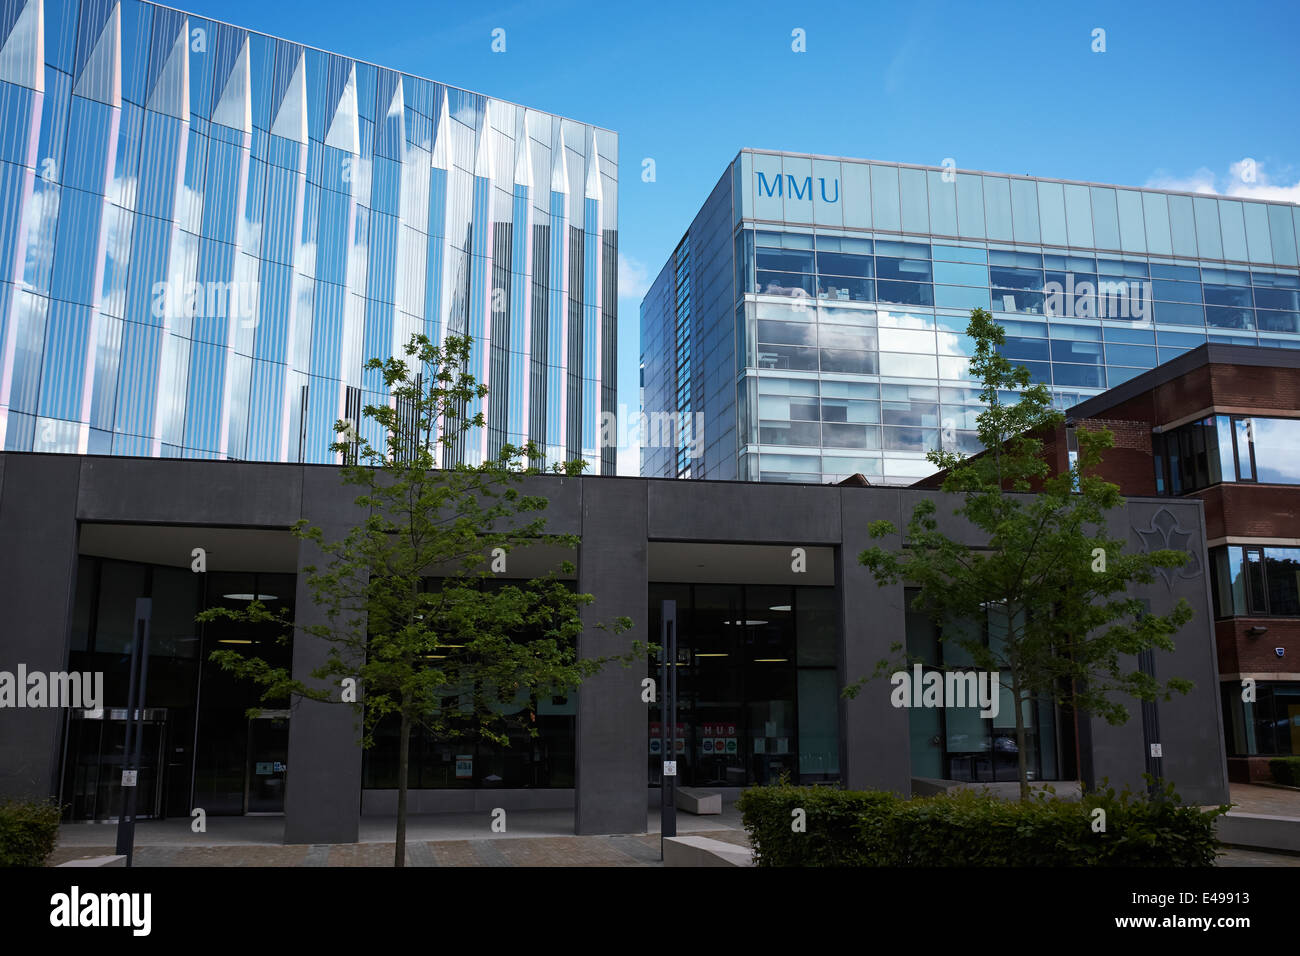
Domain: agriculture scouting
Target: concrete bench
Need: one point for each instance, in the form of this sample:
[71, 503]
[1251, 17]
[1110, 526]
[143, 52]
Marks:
[702, 851]
[699, 802]
[97, 861]
[1259, 830]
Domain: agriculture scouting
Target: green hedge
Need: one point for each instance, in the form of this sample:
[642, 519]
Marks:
[28, 832]
[968, 828]
[1285, 770]
[832, 820]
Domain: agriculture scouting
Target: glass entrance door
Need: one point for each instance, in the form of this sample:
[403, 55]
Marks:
[268, 768]
[92, 788]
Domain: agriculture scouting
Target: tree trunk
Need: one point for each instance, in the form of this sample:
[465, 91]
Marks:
[1022, 765]
[403, 767]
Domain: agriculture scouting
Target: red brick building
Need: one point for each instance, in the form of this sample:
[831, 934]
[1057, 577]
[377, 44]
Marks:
[1222, 423]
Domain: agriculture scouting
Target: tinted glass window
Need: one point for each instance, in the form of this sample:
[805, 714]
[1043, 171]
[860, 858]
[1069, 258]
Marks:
[1277, 299]
[786, 333]
[1013, 278]
[1187, 273]
[959, 253]
[842, 360]
[784, 260]
[906, 293]
[1223, 318]
[1176, 291]
[844, 264]
[911, 269]
[959, 273]
[1179, 313]
[1276, 441]
[1022, 348]
[1227, 295]
[1278, 322]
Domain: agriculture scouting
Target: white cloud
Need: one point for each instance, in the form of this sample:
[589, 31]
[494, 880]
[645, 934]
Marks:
[633, 278]
[1201, 181]
[1246, 179]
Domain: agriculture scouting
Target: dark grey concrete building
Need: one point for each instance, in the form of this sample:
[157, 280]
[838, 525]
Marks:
[769, 634]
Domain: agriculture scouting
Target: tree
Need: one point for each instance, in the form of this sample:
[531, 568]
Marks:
[1051, 584]
[419, 628]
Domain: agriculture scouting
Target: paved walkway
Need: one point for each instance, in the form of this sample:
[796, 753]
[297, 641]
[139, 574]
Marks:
[634, 850]
[532, 838]
[1276, 801]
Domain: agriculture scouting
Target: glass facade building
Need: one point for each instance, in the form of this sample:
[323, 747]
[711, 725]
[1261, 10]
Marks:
[206, 232]
[827, 302]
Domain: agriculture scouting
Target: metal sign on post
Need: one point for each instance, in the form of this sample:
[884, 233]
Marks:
[134, 727]
[668, 711]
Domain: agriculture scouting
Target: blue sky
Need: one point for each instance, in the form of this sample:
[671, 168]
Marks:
[1182, 92]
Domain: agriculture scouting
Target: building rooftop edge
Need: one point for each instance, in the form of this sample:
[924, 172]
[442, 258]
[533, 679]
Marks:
[1025, 176]
[1211, 353]
[378, 66]
[829, 486]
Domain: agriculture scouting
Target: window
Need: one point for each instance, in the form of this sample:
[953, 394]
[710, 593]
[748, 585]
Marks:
[843, 360]
[785, 283]
[957, 273]
[784, 260]
[757, 696]
[1168, 291]
[1252, 581]
[1192, 456]
[1288, 299]
[1235, 448]
[842, 264]
[845, 289]
[540, 729]
[1009, 278]
[1274, 449]
[917, 270]
[1015, 300]
[956, 743]
[1267, 726]
[789, 433]
[785, 333]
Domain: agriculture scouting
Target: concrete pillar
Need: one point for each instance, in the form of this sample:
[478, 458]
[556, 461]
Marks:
[323, 795]
[613, 753]
[38, 580]
[874, 741]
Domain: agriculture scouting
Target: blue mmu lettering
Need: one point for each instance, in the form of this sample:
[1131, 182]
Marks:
[773, 189]
[794, 188]
[795, 191]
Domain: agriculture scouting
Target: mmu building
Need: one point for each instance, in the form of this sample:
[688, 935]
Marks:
[775, 616]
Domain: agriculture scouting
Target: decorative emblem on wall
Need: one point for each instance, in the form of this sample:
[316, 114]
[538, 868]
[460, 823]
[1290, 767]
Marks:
[1165, 532]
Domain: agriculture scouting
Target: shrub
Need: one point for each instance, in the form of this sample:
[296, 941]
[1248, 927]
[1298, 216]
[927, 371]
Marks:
[831, 817]
[1285, 770]
[969, 828]
[28, 832]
